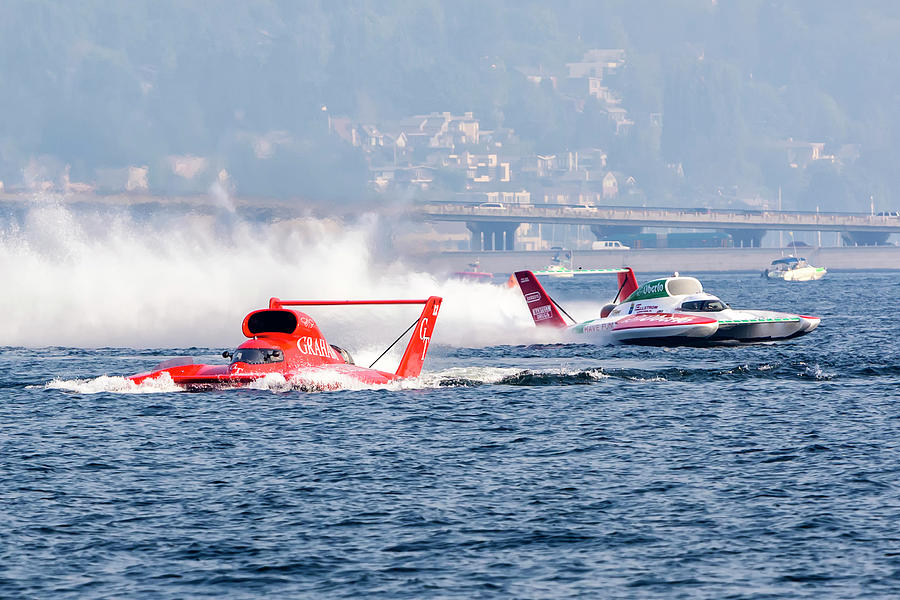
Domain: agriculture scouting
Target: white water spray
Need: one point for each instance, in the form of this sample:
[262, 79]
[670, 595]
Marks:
[105, 277]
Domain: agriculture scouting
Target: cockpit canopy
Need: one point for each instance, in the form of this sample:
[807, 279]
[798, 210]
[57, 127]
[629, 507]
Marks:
[257, 356]
[712, 305]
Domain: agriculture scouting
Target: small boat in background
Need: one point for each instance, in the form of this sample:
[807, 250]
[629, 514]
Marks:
[558, 268]
[473, 274]
[792, 268]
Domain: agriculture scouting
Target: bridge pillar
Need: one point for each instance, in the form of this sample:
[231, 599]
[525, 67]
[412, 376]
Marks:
[746, 238]
[493, 236]
[611, 232]
[864, 238]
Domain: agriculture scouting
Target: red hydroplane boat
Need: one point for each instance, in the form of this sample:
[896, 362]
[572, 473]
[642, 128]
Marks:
[289, 343]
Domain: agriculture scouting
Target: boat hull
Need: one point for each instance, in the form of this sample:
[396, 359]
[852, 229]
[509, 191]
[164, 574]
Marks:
[675, 329]
[199, 377]
[801, 274]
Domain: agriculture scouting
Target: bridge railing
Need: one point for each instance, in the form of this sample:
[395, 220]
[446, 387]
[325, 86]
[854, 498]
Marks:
[674, 215]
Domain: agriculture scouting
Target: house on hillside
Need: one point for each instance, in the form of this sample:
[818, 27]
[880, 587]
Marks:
[485, 168]
[619, 116]
[592, 160]
[801, 154]
[368, 136]
[614, 184]
[418, 176]
[545, 164]
[464, 130]
[585, 164]
[586, 80]
[537, 76]
[597, 63]
[584, 87]
[437, 130]
[610, 187]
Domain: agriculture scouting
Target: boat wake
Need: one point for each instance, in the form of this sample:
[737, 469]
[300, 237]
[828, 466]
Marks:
[457, 377]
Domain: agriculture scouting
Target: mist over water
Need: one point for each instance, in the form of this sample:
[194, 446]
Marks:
[90, 277]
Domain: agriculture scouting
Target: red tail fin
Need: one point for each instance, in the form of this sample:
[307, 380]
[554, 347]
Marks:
[627, 285]
[543, 311]
[414, 357]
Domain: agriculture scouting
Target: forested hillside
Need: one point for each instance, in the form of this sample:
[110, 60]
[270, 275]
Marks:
[716, 87]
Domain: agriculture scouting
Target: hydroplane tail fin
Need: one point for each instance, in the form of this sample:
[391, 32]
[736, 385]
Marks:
[627, 285]
[414, 357]
[543, 310]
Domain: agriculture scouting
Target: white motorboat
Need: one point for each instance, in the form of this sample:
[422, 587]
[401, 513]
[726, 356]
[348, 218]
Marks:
[792, 268]
[557, 268]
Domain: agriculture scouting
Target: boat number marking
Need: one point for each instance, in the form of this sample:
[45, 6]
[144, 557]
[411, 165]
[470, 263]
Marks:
[423, 326]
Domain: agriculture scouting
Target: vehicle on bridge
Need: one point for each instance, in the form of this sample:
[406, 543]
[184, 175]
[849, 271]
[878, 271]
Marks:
[609, 245]
[670, 311]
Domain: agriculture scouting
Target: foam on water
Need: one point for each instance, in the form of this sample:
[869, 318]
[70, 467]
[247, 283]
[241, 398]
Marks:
[326, 381]
[322, 381]
[117, 385]
[91, 277]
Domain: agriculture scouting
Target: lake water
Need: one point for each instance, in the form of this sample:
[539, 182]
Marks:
[526, 470]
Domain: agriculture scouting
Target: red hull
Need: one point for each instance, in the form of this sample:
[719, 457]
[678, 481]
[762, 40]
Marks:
[219, 376]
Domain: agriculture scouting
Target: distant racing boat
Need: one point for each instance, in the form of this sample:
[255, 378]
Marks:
[669, 311]
[473, 274]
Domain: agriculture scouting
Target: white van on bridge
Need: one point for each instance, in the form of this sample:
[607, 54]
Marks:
[609, 245]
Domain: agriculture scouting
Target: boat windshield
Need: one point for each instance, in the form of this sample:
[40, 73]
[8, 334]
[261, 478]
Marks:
[704, 306]
[257, 356]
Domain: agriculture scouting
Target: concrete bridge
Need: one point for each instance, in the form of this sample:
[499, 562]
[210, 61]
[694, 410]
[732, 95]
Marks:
[498, 222]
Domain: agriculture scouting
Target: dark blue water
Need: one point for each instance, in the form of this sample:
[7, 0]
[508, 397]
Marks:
[557, 471]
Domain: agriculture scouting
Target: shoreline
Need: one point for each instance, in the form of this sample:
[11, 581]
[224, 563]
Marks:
[686, 260]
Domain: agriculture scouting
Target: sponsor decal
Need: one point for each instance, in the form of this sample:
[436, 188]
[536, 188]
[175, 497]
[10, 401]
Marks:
[306, 321]
[597, 327]
[541, 313]
[664, 319]
[315, 347]
[524, 280]
[631, 309]
[533, 297]
[651, 289]
[645, 308]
